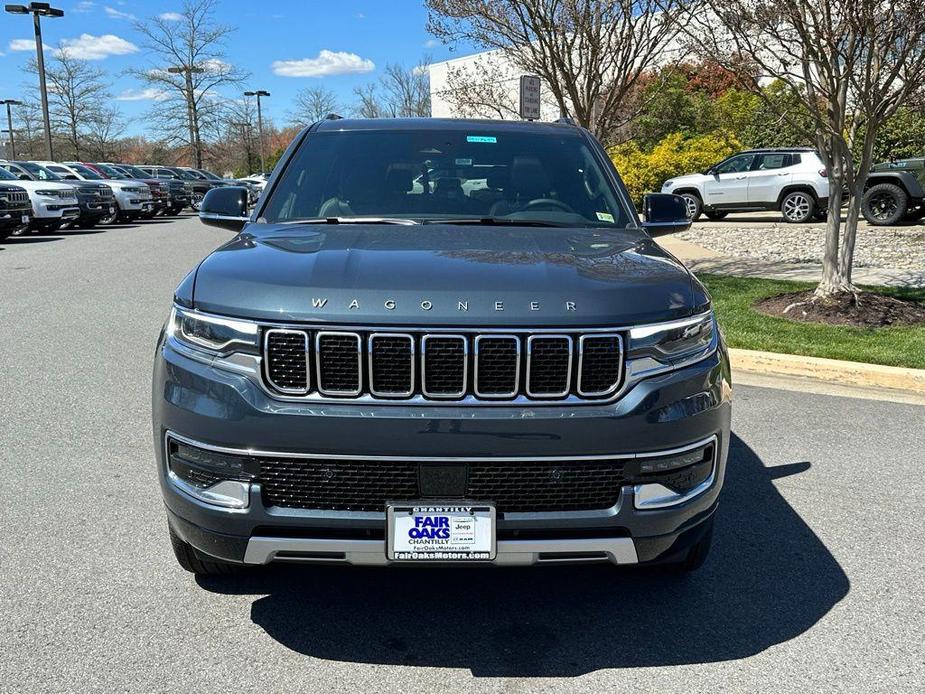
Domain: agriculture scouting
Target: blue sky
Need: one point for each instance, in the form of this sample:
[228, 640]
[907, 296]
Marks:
[281, 43]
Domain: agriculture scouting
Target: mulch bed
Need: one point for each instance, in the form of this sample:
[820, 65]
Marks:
[862, 310]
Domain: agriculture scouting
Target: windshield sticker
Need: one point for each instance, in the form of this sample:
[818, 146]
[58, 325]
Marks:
[604, 217]
[488, 139]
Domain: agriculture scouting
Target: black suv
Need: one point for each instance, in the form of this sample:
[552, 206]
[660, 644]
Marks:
[196, 186]
[441, 341]
[15, 209]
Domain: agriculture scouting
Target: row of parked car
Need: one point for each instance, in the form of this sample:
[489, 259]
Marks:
[793, 181]
[44, 196]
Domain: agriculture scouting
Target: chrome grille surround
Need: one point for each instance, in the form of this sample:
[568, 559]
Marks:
[448, 366]
[267, 362]
[581, 362]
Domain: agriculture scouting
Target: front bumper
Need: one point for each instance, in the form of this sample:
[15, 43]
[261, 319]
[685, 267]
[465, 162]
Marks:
[134, 202]
[52, 209]
[218, 408]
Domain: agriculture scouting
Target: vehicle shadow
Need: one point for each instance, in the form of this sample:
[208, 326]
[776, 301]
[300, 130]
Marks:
[768, 579]
[23, 240]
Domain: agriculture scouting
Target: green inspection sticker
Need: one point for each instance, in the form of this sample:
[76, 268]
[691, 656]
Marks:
[605, 217]
[489, 139]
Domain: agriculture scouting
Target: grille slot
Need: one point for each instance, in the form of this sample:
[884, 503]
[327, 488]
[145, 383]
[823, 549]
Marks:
[340, 360]
[600, 364]
[497, 366]
[444, 363]
[549, 365]
[287, 360]
[359, 485]
[391, 364]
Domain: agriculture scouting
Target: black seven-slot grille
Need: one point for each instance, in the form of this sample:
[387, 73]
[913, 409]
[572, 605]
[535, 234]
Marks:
[358, 485]
[443, 366]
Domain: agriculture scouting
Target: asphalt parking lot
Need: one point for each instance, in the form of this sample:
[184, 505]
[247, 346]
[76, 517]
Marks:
[816, 581]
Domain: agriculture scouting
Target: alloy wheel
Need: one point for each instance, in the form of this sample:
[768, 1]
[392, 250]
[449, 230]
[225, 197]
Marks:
[797, 206]
[883, 206]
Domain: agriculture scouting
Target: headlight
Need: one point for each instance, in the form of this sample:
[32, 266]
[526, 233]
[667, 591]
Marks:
[48, 193]
[213, 334]
[667, 184]
[676, 343]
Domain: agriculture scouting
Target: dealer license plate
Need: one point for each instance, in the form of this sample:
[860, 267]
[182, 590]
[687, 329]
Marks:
[422, 532]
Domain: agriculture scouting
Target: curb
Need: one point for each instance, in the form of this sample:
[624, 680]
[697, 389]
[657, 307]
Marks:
[829, 370]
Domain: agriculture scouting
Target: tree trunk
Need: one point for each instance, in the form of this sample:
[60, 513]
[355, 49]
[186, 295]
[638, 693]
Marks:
[830, 282]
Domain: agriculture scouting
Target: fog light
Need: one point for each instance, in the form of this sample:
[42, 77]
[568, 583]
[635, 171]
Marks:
[672, 480]
[214, 478]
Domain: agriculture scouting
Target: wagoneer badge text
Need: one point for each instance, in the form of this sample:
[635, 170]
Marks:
[427, 305]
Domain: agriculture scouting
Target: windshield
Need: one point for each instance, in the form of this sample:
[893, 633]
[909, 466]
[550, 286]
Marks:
[39, 172]
[7, 176]
[134, 171]
[111, 172]
[185, 175]
[86, 172]
[208, 175]
[431, 175]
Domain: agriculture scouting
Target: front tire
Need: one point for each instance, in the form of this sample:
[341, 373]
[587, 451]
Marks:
[694, 206]
[884, 204]
[196, 201]
[798, 207]
[109, 218]
[198, 563]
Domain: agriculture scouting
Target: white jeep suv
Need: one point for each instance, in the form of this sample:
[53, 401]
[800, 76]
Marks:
[790, 180]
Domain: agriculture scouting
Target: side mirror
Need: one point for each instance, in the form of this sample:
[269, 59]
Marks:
[225, 208]
[25, 177]
[664, 213]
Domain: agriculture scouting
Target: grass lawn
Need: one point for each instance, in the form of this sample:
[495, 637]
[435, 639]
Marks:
[744, 327]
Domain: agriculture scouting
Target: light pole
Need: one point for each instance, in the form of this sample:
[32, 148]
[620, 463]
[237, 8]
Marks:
[40, 9]
[187, 72]
[9, 123]
[258, 94]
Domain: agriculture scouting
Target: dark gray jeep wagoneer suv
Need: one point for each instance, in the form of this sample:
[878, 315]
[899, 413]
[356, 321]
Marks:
[440, 341]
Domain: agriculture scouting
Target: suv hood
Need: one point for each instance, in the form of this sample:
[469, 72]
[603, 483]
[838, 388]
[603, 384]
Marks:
[443, 275]
[33, 186]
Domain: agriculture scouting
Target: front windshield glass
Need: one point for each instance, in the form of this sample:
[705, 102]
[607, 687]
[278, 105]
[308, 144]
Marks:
[209, 175]
[134, 171]
[39, 172]
[111, 172]
[185, 175]
[7, 176]
[87, 173]
[431, 175]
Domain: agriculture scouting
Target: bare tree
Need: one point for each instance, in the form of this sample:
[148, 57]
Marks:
[850, 63]
[368, 105]
[312, 104]
[103, 132]
[407, 90]
[480, 89]
[589, 53]
[188, 69]
[76, 93]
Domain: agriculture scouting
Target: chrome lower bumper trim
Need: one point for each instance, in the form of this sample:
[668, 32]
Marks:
[263, 550]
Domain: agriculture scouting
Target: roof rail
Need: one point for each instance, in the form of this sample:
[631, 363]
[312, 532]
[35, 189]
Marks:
[333, 116]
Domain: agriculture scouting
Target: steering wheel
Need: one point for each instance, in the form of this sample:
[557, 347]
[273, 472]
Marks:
[546, 204]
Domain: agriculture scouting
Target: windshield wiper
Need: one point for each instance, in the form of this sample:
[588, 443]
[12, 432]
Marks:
[497, 221]
[352, 220]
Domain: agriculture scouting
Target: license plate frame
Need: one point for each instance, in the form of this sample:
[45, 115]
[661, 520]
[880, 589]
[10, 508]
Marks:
[456, 548]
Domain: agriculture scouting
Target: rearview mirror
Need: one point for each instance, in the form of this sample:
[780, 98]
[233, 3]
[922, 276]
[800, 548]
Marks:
[664, 213]
[225, 208]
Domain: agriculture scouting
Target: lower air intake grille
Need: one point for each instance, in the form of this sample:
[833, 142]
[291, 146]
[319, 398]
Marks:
[348, 485]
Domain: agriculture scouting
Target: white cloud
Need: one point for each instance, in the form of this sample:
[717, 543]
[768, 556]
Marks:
[118, 14]
[83, 6]
[25, 45]
[326, 63]
[431, 43]
[89, 47]
[149, 94]
[171, 16]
